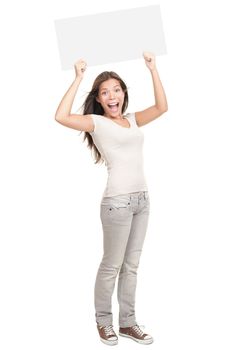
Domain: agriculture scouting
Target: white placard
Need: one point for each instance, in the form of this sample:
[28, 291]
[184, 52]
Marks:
[110, 36]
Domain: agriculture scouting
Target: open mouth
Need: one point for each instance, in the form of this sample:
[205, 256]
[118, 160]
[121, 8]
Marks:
[113, 106]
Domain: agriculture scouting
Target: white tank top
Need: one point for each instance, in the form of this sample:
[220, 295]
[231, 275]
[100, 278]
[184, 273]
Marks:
[122, 149]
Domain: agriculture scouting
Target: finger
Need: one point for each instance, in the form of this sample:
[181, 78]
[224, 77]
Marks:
[147, 57]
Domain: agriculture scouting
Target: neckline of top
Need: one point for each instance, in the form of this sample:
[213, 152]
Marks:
[121, 126]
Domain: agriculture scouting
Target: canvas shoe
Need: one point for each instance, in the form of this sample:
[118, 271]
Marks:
[136, 334]
[107, 335]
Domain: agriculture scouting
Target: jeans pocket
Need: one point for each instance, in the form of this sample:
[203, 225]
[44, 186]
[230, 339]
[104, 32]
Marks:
[117, 201]
[115, 207]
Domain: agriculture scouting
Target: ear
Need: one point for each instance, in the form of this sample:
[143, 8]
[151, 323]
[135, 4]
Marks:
[97, 99]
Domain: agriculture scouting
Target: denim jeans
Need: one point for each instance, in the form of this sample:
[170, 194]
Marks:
[124, 221]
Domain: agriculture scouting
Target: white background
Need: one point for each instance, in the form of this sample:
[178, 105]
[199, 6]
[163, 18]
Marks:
[51, 237]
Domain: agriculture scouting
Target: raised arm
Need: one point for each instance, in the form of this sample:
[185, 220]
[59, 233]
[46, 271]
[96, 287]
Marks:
[160, 106]
[63, 114]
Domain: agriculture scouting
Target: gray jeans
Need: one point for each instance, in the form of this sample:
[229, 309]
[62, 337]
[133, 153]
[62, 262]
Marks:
[124, 220]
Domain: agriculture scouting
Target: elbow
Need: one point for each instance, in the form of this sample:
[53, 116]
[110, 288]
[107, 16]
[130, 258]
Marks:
[163, 109]
[58, 117]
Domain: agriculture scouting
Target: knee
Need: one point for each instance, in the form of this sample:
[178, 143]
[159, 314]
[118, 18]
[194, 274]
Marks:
[109, 269]
[129, 267]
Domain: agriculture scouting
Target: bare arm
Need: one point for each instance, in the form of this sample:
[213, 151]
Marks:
[160, 106]
[160, 97]
[63, 114]
[64, 108]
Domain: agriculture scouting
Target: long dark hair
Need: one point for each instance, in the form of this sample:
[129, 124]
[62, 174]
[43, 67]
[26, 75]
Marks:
[91, 106]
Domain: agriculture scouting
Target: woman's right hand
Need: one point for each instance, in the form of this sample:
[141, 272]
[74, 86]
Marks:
[80, 67]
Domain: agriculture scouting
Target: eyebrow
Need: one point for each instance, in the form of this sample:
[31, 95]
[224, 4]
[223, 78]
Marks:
[106, 88]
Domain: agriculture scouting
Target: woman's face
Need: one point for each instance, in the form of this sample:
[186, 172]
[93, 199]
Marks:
[111, 97]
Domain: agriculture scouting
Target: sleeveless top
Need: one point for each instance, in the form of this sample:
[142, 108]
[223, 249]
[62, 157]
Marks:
[122, 149]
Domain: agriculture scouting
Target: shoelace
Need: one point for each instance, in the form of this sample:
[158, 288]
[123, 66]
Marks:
[137, 329]
[108, 330]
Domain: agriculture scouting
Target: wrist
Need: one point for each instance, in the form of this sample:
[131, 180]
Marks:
[78, 78]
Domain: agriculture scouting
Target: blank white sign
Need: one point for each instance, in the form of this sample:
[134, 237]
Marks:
[110, 36]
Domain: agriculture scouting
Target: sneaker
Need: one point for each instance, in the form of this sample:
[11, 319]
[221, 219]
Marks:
[107, 335]
[136, 334]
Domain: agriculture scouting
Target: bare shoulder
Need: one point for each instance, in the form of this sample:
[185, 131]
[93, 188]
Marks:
[78, 122]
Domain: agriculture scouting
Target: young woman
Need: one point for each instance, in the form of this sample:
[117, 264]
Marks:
[115, 138]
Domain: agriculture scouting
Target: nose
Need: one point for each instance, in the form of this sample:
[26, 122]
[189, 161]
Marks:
[112, 93]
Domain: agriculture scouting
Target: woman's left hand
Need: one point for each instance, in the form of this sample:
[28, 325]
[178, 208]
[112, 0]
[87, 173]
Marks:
[149, 60]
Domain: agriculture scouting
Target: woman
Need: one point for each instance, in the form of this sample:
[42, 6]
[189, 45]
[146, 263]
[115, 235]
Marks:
[115, 138]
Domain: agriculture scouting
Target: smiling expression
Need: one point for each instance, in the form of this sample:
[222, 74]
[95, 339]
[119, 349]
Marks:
[111, 97]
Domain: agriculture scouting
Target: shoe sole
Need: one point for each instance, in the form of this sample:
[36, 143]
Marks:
[146, 341]
[107, 342]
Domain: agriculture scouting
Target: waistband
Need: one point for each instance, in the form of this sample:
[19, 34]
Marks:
[131, 195]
